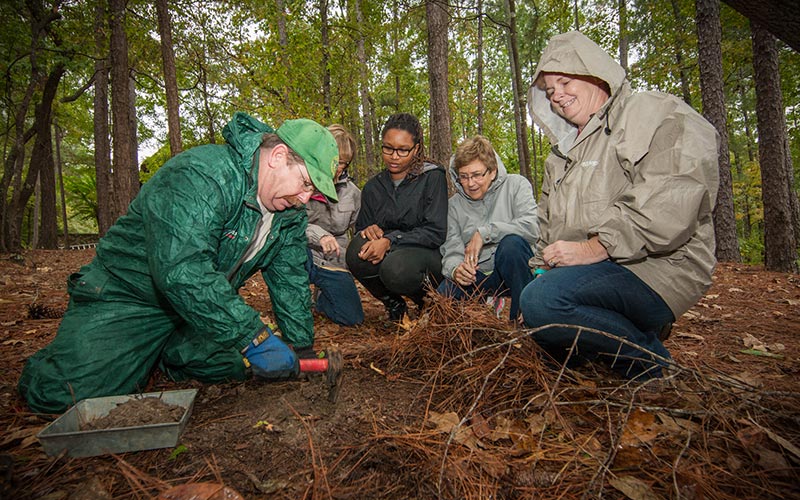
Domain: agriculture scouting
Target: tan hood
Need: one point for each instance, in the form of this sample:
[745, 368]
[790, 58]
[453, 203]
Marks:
[574, 54]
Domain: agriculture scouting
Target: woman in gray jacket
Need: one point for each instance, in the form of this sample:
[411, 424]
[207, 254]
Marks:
[491, 228]
[626, 223]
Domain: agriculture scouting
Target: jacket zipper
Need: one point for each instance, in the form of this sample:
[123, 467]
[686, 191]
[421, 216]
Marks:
[567, 164]
[229, 276]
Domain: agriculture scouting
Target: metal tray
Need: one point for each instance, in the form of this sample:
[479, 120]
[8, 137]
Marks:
[64, 433]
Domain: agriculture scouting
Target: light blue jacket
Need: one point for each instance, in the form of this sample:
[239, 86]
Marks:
[508, 207]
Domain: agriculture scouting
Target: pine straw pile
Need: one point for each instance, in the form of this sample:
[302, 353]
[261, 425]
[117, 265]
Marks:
[499, 422]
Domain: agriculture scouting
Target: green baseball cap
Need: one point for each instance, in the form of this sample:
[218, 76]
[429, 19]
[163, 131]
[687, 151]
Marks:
[316, 145]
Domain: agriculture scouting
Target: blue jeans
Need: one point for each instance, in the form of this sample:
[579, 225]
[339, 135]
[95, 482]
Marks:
[338, 297]
[510, 276]
[604, 296]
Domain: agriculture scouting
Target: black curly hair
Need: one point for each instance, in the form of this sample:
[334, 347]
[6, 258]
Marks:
[410, 124]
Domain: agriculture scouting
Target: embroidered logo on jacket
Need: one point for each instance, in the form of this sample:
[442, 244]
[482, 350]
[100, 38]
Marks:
[230, 234]
[590, 163]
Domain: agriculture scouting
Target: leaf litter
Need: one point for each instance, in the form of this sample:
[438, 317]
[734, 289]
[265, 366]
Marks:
[458, 404]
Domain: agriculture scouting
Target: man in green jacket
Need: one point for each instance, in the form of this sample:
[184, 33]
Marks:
[162, 289]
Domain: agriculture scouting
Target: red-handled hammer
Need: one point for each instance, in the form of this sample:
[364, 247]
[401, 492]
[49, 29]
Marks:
[332, 366]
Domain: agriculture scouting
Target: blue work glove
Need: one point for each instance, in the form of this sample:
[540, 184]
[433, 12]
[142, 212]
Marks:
[270, 358]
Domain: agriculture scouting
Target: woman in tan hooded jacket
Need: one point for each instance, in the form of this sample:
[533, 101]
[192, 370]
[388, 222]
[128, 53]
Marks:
[627, 237]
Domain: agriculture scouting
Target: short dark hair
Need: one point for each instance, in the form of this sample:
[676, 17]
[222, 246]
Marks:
[269, 141]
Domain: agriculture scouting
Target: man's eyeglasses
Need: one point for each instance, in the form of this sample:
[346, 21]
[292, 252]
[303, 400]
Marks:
[308, 186]
[464, 178]
[401, 152]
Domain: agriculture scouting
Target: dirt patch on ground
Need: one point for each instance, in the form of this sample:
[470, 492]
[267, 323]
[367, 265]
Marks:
[459, 405]
[137, 412]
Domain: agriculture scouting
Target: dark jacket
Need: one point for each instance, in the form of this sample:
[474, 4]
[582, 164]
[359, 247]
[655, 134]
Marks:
[414, 213]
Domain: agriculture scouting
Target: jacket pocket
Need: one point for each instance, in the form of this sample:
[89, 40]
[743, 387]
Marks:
[87, 284]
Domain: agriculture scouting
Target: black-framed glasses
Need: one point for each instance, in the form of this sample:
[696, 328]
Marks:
[401, 152]
[308, 186]
[464, 178]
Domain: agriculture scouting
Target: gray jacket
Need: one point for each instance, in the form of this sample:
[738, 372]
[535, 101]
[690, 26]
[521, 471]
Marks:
[508, 207]
[642, 176]
[333, 219]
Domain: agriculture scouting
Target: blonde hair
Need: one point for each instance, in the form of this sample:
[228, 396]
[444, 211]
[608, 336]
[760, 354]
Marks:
[344, 141]
[478, 148]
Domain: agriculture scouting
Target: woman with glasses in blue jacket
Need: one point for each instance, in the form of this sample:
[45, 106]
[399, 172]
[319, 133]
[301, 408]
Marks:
[402, 222]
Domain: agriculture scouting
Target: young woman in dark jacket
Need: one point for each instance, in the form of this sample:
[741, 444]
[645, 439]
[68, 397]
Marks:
[402, 222]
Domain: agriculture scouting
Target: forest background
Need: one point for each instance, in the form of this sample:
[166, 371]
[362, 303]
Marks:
[77, 144]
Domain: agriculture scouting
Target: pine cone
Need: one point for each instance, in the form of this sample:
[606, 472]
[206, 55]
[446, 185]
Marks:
[39, 311]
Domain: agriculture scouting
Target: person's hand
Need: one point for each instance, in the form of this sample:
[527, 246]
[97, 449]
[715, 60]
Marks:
[372, 233]
[472, 252]
[375, 251]
[329, 245]
[270, 358]
[464, 274]
[574, 253]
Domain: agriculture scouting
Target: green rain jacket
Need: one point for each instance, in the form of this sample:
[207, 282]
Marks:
[163, 286]
[181, 243]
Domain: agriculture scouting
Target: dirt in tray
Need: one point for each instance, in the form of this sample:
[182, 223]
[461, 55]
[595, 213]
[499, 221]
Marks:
[137, 412]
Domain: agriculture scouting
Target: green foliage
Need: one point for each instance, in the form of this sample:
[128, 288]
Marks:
[752, 248]
[230, 56]
[179, 450]
[82, 194]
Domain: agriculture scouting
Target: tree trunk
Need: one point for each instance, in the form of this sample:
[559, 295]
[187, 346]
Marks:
[170, 77]
[794, 204]
[396, 49]
[106, 209]
[12, 172]
[577, 18]
[283, 43]
[367, 116]
[750, 156]
[479, 68]
[780, 249]
[48, 227]
[134, 133]
[683, 70]
[438, 20]
[10, 220]
[709, 40]
[208, 111]
[37, 210]
[41, 162]
[521, 124]
[126, 183]
[60, 173]
[623, 34]
[326, 70]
